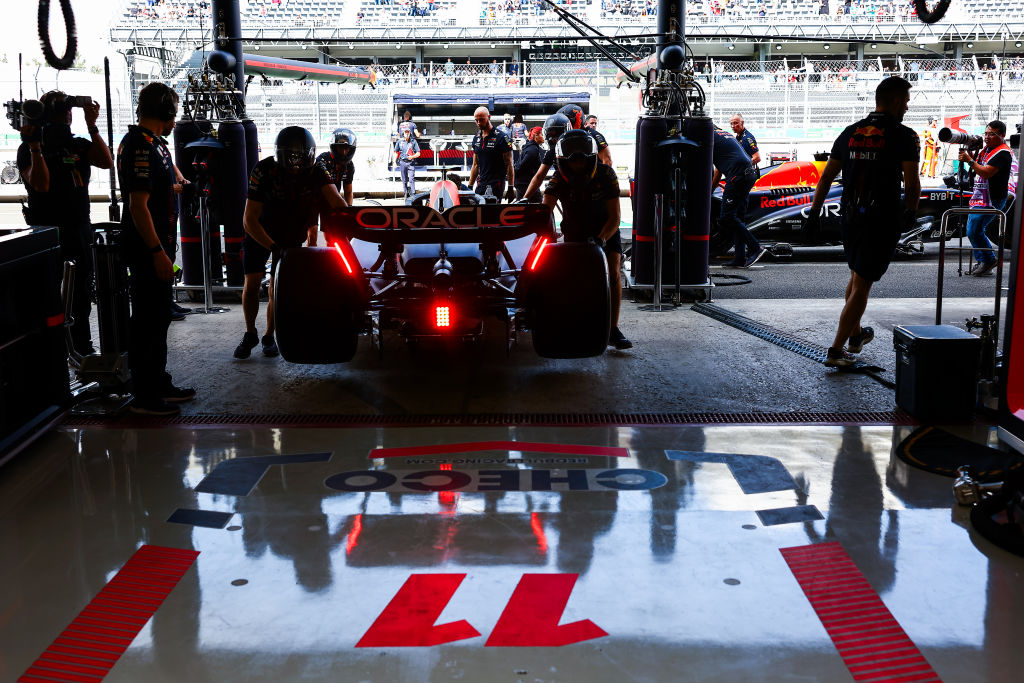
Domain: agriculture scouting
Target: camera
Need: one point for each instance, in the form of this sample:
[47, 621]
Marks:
[1015, 139]
[26, 113]
[950, 181]
[58, 108]
[956, 137]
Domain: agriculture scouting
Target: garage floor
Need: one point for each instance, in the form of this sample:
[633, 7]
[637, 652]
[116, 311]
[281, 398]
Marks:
[248, 541]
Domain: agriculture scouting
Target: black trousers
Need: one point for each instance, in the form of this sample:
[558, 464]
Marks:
[147, 330]
[76, 245]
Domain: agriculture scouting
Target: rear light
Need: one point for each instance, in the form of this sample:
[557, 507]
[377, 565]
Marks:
[540, 250]
[442, 316]
[344, 260]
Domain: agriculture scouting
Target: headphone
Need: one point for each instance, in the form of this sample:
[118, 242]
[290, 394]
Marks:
[166, 108]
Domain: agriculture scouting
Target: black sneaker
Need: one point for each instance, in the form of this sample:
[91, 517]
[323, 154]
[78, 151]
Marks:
[175, 394]
[176, 316]
[855, 343]
[269, 345]
[754, 258]
[248, 343]
[175, 308]
[837, 358]
[618, 340]
[153, 406]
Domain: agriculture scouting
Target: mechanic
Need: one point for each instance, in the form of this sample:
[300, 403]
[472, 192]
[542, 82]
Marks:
[457, 179]
[554, 127]
[992, 174]
[338, 162]
[604, 154]
[529, 161]
[148, 227]
[280, 213]
[518, 135]
[492, 159]
[56, 166]
[746, 139]
[407, 150]
[406, 124]
[730, 160]
[931, 149]
[874, 155]
[589, 193]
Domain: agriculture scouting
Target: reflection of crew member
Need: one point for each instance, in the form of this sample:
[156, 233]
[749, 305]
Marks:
[991, 182]
[492, 159]
[407, 150]
[589, 193]
[873, 154]
[604, 154]
[280, 213]
[406, 124]
[147, 226]
[529, 161]
[554, 127]
[338, 162]
[931, 149]
[56, 168]
[746, 139]
[733, 163]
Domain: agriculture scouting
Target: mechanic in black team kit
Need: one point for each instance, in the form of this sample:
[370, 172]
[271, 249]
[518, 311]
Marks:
[280, 213]
[876, 155]
[589, 193]
[147, 227]
[733, 163]
[604, 154]
[338, 162]
[492, 159]
[529, 161]
[554, 127]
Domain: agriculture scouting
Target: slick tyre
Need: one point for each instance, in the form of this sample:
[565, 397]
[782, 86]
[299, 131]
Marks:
[567, 301]
[318, 306]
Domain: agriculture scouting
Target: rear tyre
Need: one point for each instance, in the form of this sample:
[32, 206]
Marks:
[318, 307]
[567, 301]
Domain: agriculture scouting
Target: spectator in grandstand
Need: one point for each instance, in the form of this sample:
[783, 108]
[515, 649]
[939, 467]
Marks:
[604, 154]
[492, 159]
[338, 162]
[732, 163]
[530, 159]
[873, 155]
[495, 70]
[407, 151]
[589, 194]
[406, 124]
[746, 139]
[449, 72]
[285, 194]
[991, 167]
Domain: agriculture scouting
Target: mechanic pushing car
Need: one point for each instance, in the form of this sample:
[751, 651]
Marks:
[554, 127]
[338, 162]
[280, 213]
[492, 159]
[589, 193]
[740, 175]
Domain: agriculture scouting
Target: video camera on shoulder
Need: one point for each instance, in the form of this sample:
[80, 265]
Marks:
[24, 113]
[956, 137]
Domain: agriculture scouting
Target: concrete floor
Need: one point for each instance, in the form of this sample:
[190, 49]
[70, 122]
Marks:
[665, 563]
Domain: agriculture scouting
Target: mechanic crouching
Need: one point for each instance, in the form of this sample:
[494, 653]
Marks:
[280, 213]
[589, 194]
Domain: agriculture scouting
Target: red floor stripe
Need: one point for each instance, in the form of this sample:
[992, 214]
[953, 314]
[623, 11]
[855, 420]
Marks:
[104, 629]
[521, 446]
[829, 580]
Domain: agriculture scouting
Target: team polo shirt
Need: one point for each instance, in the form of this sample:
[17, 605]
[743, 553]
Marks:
[327, 159]
[872, 152]
[144, 164]
[489, 152]
[748, 142]
[290, 202]
[407, 126]
[598, 138]
[727, 155]
[584, 210]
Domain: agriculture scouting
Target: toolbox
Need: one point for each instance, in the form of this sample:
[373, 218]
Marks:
[936, 371]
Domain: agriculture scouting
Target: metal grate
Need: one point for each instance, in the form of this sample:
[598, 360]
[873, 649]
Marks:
[894, 417]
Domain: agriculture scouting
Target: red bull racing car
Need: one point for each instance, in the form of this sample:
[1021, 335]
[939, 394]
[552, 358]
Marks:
[439, 271]
[780, 199]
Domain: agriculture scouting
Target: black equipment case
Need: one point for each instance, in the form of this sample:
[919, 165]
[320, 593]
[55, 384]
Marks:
[936, 371]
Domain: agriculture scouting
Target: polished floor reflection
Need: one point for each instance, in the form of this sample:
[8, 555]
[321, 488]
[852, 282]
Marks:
[493, 554]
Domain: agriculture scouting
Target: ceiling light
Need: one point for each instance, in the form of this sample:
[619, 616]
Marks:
[778, 47]
[446, 46]
[351, 46]
[874, 46]
[731, 46]
[970, 45]
[256, 47]
[826, 46]
[1017, 44]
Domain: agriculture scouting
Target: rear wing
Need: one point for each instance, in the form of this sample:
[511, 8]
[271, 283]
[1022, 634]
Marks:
[391, 226]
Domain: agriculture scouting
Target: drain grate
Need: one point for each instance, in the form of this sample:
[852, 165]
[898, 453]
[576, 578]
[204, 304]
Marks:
[802, 347]
[895, 417]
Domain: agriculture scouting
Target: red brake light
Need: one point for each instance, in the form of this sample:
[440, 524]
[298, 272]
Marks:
[442, 316]
[344, 260]
[540, 250]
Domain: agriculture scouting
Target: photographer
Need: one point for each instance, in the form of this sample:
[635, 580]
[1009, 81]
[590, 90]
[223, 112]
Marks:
[56, 166]
[991, 167]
